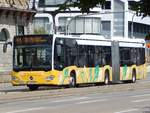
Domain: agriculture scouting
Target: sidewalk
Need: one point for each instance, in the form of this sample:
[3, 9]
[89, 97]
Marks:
[5, 77]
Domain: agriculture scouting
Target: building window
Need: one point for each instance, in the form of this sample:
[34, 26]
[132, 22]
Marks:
[106, 28]
[139, 30]
[41, 3]
[41, 25]
[20, 30]
[80, 25]
[4, 35]
[107, 5]
[46, 3]
[106, 25]
[131, 3]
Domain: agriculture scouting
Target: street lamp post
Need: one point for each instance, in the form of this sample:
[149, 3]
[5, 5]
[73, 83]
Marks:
[132, 26]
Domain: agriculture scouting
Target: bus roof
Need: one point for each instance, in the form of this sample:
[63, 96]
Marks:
[85, 37]
[122, 39]
[102, 38]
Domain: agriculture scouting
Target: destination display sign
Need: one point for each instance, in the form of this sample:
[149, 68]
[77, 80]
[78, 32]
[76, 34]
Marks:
[32, 40]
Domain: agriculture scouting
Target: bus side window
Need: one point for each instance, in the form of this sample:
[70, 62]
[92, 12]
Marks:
[143, 55]
[71, 52]
[97, 56]
[133, 56]
[82, 56]
[107, 55]
[90, 56]
[125, 56]
[138, 56]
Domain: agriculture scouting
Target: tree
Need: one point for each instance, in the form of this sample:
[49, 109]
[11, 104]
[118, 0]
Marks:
[142, 8]
[83, 5]
[147, 36]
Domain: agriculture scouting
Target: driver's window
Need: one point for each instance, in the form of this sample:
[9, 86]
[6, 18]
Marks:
[18, 57]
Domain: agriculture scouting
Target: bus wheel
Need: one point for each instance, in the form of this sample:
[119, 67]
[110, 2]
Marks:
[33, 87]
[106, 80]
[133, 76]
[72, 80]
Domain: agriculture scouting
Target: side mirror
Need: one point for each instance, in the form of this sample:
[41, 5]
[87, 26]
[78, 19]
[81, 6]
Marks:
[5, 46]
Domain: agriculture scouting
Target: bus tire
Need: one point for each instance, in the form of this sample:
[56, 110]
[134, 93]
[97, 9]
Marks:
[133, 76]
[33, 87]
[106, 79]
[72, 80]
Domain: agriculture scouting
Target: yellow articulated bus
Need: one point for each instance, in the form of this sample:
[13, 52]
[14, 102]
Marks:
[71, 60]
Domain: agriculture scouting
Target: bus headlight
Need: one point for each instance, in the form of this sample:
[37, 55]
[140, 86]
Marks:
[49, 78]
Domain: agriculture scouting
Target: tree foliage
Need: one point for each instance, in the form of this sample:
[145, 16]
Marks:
[142, 8]
[147, 36]
[83, 5]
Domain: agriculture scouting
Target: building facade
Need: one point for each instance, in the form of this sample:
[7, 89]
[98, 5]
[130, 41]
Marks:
[15, 19]
[119, 20]
[116, 19]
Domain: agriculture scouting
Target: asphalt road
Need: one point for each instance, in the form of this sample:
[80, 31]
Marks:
[118, 101]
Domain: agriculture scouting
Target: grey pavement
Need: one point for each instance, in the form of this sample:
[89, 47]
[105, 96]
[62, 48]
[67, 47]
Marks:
[116, 102]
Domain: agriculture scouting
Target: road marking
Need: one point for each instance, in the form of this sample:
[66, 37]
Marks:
[126, 111]
[72, 99]
[26, 110]
[91, 101]
[141, 100]
[141, 95]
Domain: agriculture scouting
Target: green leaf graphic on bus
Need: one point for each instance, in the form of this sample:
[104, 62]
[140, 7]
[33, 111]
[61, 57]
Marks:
[124, 71]
[65, 75]
[96, 73]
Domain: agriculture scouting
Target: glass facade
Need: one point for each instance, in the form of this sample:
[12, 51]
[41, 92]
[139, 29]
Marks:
[41, 25]
[107, 5]
[106, 28]
[81, 25]
[131, 3]
[139, 30]
[94, 25]
[45, 3]
[118, 23]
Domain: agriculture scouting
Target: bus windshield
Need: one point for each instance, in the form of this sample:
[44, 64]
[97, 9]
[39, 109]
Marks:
[32, 58]
[32, 53]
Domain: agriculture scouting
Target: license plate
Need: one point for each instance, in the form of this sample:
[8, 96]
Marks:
[31, 82]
